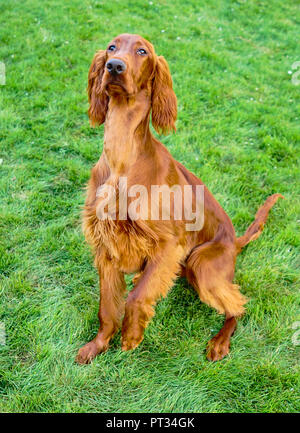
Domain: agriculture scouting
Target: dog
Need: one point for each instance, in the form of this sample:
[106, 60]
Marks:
[128, 83]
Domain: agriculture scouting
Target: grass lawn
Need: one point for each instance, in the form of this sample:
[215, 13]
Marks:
[237, 129]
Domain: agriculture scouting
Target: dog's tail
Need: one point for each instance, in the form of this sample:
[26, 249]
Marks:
[255, 229]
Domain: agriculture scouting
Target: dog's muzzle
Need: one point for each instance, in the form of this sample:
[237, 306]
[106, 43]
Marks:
[115, 66]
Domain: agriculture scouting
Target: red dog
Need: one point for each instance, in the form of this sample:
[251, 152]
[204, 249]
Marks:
[125, 83]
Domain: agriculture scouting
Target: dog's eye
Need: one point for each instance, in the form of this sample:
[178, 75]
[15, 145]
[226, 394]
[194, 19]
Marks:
[141, 52]
[112, 48]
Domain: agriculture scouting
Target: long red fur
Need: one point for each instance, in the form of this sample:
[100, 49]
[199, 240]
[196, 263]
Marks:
[155, 251]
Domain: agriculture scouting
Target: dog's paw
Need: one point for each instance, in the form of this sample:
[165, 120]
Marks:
[130, 344]
[88, 352]
[217, 348]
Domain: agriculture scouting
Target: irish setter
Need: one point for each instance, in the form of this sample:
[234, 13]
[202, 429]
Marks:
[126, 83]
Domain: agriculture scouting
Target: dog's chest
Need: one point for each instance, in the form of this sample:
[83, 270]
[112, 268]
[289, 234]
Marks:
[125, 243]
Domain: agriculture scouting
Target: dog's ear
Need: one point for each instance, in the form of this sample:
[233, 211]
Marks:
[164, 101]
[97, 97]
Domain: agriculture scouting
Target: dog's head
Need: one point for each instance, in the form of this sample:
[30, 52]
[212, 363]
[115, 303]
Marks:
[128, 66]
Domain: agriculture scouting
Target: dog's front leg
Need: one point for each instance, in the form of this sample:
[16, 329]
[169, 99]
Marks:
[154, 282]
[111, 309]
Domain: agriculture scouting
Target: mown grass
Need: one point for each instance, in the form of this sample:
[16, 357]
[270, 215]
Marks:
[237, 128]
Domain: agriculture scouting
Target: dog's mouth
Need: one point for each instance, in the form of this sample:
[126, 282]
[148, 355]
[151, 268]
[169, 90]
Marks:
[115, 86]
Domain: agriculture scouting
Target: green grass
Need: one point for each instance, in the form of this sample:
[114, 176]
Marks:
[237, 128]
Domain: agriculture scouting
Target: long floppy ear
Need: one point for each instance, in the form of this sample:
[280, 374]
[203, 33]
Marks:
[164, 101]
[97, 97]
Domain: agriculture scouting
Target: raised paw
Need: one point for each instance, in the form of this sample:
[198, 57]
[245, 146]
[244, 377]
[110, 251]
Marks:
[217, 348]
[88, 352]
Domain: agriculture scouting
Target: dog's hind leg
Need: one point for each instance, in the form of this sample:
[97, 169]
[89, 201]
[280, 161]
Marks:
[218, 347]
[210, 269]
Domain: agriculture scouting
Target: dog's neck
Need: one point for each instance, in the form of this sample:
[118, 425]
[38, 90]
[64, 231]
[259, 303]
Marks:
[126, 131]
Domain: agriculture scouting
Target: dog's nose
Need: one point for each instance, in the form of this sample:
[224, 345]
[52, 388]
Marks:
[115, 66]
